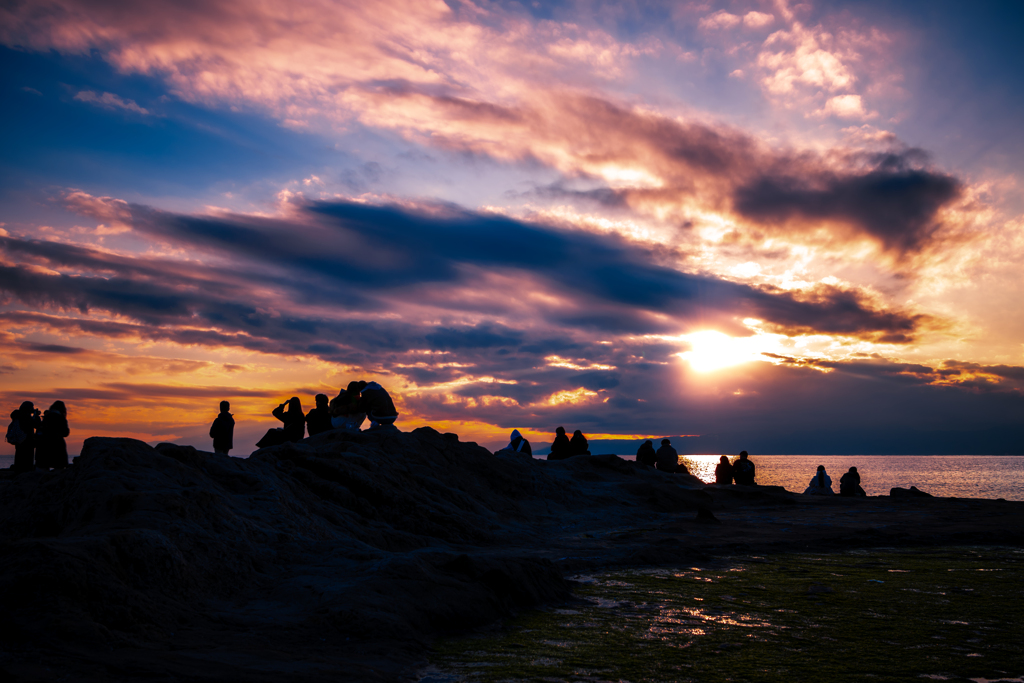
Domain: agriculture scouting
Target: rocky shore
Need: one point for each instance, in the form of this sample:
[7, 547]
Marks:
[342, 556]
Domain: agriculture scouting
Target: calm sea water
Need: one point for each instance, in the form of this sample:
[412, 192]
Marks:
[962, 476]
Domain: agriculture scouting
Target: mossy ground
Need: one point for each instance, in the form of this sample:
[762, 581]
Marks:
[879, 615]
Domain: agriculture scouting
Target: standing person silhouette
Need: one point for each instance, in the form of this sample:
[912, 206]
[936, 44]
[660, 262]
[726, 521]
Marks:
[222, 431]
[51, 449]
[27, 417]
[743, 470]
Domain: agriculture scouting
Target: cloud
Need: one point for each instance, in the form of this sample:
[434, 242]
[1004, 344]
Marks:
[893, 202]
[845, 107]
[110, 101]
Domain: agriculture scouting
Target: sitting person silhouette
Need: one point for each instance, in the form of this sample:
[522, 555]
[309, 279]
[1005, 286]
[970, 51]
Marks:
[821, 484]
[518, 444]
[849, 484]
[222, 430]
[378, 406]
[318, 419]
[646, 455]
[743, 470]
[578, 444]
[668, 458]
[560, 449]
[723, 472]
[294, 424]
[346, 408]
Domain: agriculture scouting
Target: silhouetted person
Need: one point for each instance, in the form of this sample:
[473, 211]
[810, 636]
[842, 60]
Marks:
[646, 455]
[578, 444]
[849, 484]
[27, 419]
[560, 446]
[294, 424]
[743, 470]
[668, 458]
[319, 418]
[723, 471]
[821, 484]
[222, 431]
[378, 406]
[518, 444]
[346, 408]
[51, 449]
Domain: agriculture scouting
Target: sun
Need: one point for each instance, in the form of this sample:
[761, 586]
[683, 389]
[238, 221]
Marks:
[712, 350]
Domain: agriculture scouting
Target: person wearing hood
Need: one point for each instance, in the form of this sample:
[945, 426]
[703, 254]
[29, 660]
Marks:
[319, 418]
[346, 408]
[646, 455]
[378, 406]
[27, 418]
[222, 431]
[518, 444]
[821, 484]
[668, 458]
[723, 471]
[743, 470]
[51, 449]
[578, 444]
[560, 446]
[849, 484]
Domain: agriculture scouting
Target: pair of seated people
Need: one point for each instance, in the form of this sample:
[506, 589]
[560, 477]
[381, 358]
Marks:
[821, 484]
[563, 447]
[742, 470]
[356, 402]
[665, 459]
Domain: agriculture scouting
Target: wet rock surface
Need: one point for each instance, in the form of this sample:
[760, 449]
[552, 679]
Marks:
[340, 557]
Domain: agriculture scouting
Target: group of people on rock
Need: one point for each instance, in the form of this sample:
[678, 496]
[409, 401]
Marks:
[347, 411]
[38, 439]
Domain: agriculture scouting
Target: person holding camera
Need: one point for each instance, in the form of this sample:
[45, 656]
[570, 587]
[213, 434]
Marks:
[28, 420]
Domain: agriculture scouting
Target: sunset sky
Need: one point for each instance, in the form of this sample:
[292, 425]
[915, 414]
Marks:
[789, 228]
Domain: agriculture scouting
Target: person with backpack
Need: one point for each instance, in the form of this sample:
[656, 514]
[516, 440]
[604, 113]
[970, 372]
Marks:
[21, 434]
[518, 444]
[222, 431]
[378, 406]
[51, 449]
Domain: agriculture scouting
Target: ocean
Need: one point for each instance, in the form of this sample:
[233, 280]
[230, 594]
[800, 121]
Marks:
[960, 476]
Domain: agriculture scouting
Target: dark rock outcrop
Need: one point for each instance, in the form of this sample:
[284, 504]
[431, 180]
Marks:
[912, 492]
[385, 538]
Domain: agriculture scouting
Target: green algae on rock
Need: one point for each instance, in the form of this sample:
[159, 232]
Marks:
[880, 615]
